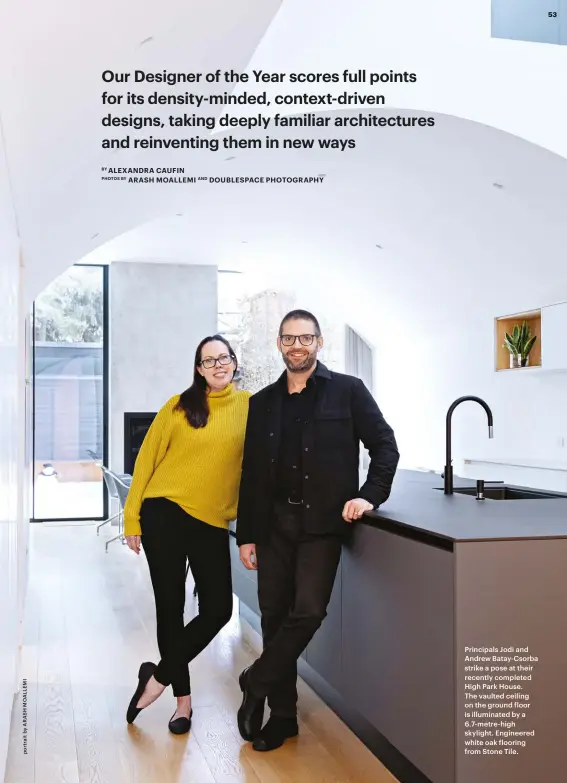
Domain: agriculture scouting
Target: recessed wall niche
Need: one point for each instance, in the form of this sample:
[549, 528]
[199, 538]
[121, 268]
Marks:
[505, 325]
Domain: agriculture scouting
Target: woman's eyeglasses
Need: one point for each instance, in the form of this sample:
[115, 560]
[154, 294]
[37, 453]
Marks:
[209, 362]
[305, 339]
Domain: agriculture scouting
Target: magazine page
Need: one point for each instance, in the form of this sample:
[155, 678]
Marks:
[283, 369]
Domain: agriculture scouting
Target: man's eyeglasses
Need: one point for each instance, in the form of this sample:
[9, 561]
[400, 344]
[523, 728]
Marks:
[209, 362]
[305, 339]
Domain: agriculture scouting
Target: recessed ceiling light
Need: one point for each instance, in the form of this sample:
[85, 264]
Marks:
[379, 247]
[147, 40]
[497, 185]
[179, 214]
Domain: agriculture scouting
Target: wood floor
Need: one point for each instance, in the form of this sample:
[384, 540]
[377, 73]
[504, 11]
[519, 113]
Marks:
[89, 623]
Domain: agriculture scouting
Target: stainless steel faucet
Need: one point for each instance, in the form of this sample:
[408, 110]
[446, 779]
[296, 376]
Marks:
[448, 473]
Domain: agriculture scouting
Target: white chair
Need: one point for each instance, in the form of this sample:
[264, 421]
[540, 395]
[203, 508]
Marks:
[122, 486]
[112, 495]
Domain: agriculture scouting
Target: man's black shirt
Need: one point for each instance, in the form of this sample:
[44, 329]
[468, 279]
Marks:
[345, 414]
[297, 412]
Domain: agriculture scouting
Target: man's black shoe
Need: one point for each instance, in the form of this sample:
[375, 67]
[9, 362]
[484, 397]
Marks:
[251, 713]
[275, 733]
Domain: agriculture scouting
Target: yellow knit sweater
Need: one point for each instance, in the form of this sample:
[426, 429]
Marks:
[199, 469]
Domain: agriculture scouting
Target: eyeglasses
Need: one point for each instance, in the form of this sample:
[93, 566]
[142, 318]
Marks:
[305, 339]
[209, 362]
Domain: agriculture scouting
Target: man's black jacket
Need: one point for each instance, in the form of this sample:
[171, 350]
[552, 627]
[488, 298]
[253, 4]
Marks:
[345, 414]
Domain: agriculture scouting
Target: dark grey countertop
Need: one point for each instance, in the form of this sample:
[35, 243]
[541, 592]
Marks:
[415, 505]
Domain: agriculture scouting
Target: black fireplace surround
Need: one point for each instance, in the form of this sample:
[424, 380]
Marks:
[136, 426]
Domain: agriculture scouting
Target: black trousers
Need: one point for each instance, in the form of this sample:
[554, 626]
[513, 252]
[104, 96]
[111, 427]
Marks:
[169, 537]
[296, 573]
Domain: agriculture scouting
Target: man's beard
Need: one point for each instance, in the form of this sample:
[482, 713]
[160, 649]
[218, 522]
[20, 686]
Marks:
[303, 366]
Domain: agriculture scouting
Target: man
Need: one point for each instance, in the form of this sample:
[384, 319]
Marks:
[299, 494]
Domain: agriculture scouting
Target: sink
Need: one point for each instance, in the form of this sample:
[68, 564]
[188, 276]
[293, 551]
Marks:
[508, 493]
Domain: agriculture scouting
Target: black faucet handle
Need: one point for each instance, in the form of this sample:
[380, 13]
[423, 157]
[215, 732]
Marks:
[480, 489]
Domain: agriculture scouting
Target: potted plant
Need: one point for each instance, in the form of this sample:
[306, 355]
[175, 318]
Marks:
[519, 344]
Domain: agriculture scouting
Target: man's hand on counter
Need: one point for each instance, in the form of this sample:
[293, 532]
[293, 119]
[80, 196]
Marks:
[354, 509]
[248, 556]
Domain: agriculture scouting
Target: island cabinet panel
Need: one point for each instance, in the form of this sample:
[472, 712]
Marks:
[398, 645]
[245, 587]
[244, 582]
[324, 652]
[510, 602]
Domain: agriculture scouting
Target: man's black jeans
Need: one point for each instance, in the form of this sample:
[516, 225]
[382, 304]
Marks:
[169, 537]
[296, 573]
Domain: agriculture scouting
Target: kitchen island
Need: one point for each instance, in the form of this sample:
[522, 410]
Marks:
[434, 592]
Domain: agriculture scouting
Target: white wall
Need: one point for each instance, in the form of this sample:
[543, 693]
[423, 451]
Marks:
[441, 346]
[433, 333]
[9, 452]
[25, 454]
[158, 315]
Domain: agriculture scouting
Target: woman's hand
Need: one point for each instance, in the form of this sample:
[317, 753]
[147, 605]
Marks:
[134, 543]
[247, 552]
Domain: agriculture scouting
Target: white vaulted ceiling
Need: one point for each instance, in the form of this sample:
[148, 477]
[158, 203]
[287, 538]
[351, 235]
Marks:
[461, 195]
[51, 60]
[427, 197]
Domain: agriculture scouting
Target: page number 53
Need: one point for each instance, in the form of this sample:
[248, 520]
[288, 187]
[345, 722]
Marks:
[552, 13]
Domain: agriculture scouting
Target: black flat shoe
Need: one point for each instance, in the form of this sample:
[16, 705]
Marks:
[147, 669]
[180, 725]
[275, 733]
[251, 712]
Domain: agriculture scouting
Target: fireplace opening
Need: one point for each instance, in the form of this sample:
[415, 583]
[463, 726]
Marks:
[136, 426]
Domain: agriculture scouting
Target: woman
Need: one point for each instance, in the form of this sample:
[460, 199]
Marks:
[183, 495]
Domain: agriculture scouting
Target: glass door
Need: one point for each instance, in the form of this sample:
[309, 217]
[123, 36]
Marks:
[70, 371]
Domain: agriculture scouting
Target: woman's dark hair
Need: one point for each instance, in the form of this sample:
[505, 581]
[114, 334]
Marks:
[193, 402]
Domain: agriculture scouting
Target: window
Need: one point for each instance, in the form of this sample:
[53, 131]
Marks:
[69, 395]
[249, 317]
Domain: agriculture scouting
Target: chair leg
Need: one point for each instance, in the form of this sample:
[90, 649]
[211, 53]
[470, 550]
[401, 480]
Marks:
[121, 526]
[106, 521]
[110, 540]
